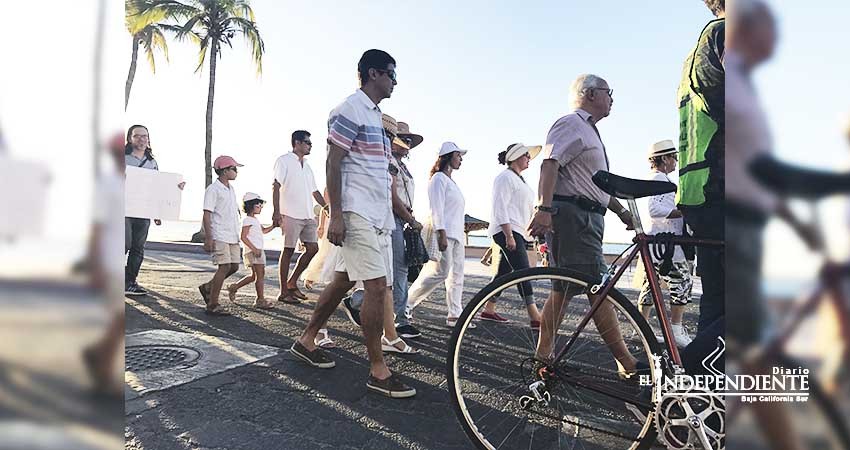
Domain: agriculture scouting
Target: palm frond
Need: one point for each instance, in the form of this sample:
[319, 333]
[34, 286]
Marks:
[252, 36]
[204, 43]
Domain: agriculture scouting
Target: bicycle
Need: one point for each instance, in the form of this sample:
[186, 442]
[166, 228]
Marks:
[825, 426]
[582, 398]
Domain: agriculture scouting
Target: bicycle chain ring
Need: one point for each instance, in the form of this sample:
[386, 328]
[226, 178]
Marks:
[677, 429]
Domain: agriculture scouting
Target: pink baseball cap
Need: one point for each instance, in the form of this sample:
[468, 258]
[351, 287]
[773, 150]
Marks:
[225, 161]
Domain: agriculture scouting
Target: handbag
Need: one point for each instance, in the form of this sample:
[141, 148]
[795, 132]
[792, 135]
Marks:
[415, 253]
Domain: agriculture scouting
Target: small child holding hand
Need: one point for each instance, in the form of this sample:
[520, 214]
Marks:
[254, 255]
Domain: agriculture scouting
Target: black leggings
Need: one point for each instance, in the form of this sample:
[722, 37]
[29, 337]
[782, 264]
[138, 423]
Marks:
[511, 260]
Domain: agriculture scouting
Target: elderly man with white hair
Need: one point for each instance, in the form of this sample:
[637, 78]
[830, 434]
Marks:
[571, 210]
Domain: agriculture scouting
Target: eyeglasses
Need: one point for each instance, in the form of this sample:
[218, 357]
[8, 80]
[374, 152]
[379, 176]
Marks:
[608, 90]
[390, 73]
[407, 140]
[307, 142]
[233, 168]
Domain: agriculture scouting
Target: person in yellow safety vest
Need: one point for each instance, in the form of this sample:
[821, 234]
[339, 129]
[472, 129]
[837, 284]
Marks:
[700, 196]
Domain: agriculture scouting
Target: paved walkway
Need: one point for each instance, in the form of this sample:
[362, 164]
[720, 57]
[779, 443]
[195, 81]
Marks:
[279, 402]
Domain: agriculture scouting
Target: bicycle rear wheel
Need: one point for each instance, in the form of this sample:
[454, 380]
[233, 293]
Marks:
[491, 370]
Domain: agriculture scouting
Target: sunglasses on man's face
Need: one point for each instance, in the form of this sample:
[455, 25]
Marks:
[407, 140]
[390, 73]
[307, 143]
[233, 168]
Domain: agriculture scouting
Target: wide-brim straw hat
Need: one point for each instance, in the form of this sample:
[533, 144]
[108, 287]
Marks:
[519, 149]
[391, 127]
[404, 132]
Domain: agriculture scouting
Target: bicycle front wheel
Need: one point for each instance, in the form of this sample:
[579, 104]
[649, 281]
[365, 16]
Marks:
[504, 401]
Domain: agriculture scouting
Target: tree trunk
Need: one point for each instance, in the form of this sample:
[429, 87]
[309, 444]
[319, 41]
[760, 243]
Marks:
[199, 236]
[132, 74]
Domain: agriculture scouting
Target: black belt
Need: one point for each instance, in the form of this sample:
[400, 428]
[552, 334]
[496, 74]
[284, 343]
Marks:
[582, 202]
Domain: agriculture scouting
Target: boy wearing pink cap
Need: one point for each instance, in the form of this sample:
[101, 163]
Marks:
[221, 224]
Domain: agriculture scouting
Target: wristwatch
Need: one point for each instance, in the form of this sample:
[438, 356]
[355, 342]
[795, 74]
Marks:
[546, 209]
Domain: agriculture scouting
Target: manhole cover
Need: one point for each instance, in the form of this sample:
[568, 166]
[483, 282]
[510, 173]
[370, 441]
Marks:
[141, 358]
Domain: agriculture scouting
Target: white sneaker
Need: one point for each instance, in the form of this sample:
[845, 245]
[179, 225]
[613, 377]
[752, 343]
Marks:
[681, 336]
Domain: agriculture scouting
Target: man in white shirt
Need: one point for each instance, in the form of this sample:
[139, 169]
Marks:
[293, 212]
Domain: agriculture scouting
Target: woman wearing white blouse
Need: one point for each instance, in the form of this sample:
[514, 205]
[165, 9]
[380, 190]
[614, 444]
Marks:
[447, 214]
[512, 208]
[666, 218]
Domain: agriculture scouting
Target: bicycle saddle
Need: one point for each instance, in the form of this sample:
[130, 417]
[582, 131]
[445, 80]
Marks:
[626, 188]
[785, 179]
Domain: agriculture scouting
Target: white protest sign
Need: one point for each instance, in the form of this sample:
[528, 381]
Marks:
[151, 194]
[23, 197]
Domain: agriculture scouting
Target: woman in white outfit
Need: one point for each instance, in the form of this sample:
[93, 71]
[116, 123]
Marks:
[512, 208]
[667, 219]
[447, 217]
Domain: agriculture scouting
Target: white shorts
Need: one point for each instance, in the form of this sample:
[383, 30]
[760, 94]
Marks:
[367, 252]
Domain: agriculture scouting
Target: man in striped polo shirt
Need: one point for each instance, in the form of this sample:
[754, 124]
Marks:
[361, 220]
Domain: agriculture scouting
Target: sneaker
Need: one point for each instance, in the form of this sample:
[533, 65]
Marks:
[680, 335]
[353, 314]
[135, 290]
[453, 321]
[316, 358]
[408, 331]
[493, 317]
[391, 387]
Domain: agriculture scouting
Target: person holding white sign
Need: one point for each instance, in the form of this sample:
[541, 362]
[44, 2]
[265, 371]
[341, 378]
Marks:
[137, 153]
[221, 222]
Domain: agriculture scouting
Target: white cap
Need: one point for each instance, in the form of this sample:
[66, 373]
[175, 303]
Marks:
[449, 147]
[251, 196]
[520, 149]
[661, 148]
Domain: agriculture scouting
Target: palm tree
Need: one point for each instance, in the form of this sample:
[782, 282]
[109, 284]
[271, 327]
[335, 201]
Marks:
[211, 24]
[145, 33]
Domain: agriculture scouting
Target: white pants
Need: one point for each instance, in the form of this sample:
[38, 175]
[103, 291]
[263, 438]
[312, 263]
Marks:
[448, 270]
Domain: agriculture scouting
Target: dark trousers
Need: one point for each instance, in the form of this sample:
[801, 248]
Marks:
[511, 260]
[135, 236]
[707, 222]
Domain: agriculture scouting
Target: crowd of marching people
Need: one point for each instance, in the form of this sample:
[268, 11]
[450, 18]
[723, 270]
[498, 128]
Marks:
[362, 240]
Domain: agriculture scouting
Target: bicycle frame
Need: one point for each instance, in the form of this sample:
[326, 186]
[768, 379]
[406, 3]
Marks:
[641, 245]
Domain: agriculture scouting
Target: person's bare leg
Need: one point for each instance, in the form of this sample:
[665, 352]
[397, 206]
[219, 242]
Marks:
[224, 271]
[107, 350]
[326, 305]
[311, 248]
[609, 328]
[677, 312]
[553, 314]
[490, 307]
[260, 281]
[244, 281]
[533, 312]
[372, 322]
[283, 268]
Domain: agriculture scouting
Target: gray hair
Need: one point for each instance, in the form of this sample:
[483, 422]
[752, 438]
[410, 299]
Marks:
[581, 85]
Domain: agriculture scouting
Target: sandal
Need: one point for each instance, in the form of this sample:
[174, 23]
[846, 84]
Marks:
[285, 297]
[390, 346]
[217, 311]
[263, 304]
[296, 293]
[325, 341]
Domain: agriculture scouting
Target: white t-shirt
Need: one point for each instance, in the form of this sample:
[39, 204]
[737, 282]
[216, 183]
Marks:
[297, 185]
[660, 207]
[255, 232]
[220, 200]
[447, 206]
[513, 203]
[109, 214]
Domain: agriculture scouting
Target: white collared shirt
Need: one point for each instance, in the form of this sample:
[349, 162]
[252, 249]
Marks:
[660, 207]
[220, 200]
[356, 127]
[297, 185]
[447, 206]
[513, 204]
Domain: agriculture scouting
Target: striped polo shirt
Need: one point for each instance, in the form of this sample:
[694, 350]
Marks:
[355, 126]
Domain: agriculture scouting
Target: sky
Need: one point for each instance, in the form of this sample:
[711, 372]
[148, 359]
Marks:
[482, 74]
